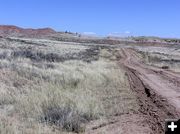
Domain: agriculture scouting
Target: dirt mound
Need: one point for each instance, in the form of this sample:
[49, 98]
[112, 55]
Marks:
[8, 30]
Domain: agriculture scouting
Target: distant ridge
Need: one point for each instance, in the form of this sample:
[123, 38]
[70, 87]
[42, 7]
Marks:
[11, 30]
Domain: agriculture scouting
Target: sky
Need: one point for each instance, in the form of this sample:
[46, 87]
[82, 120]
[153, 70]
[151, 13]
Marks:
[96, 17]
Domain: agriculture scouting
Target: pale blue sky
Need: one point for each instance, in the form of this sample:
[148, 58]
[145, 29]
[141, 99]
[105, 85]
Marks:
[137, 17]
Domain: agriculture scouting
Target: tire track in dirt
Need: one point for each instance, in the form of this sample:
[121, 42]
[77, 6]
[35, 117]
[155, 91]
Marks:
[156, 104]
[158, 98]
[124, 123]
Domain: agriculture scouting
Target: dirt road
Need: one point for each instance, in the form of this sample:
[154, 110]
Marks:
[158, 89]
[164, 83]
[158, 95]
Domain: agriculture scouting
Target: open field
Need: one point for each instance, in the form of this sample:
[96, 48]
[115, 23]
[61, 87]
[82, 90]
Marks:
[50, 86]
[70, 84]
[168, 57]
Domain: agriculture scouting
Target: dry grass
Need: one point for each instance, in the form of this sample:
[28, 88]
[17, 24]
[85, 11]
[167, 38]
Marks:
[52, 97]
[162, 57]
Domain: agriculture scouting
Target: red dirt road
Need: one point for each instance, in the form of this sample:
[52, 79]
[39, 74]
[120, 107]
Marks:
[158, 90]
[164, 83]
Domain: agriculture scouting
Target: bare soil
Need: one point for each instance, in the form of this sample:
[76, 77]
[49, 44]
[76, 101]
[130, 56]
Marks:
[157, 89]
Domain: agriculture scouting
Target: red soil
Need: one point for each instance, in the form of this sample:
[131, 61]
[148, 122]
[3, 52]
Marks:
[8, 30]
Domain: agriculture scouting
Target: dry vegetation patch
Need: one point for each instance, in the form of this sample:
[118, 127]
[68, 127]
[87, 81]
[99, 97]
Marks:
[163, 57]
[50, 95]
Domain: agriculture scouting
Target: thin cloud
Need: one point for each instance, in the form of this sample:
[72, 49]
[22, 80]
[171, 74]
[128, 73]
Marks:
[89, 33]
[120, 34]
[127, 32]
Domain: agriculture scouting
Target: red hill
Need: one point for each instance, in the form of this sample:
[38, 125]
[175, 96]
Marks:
[8, 30]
